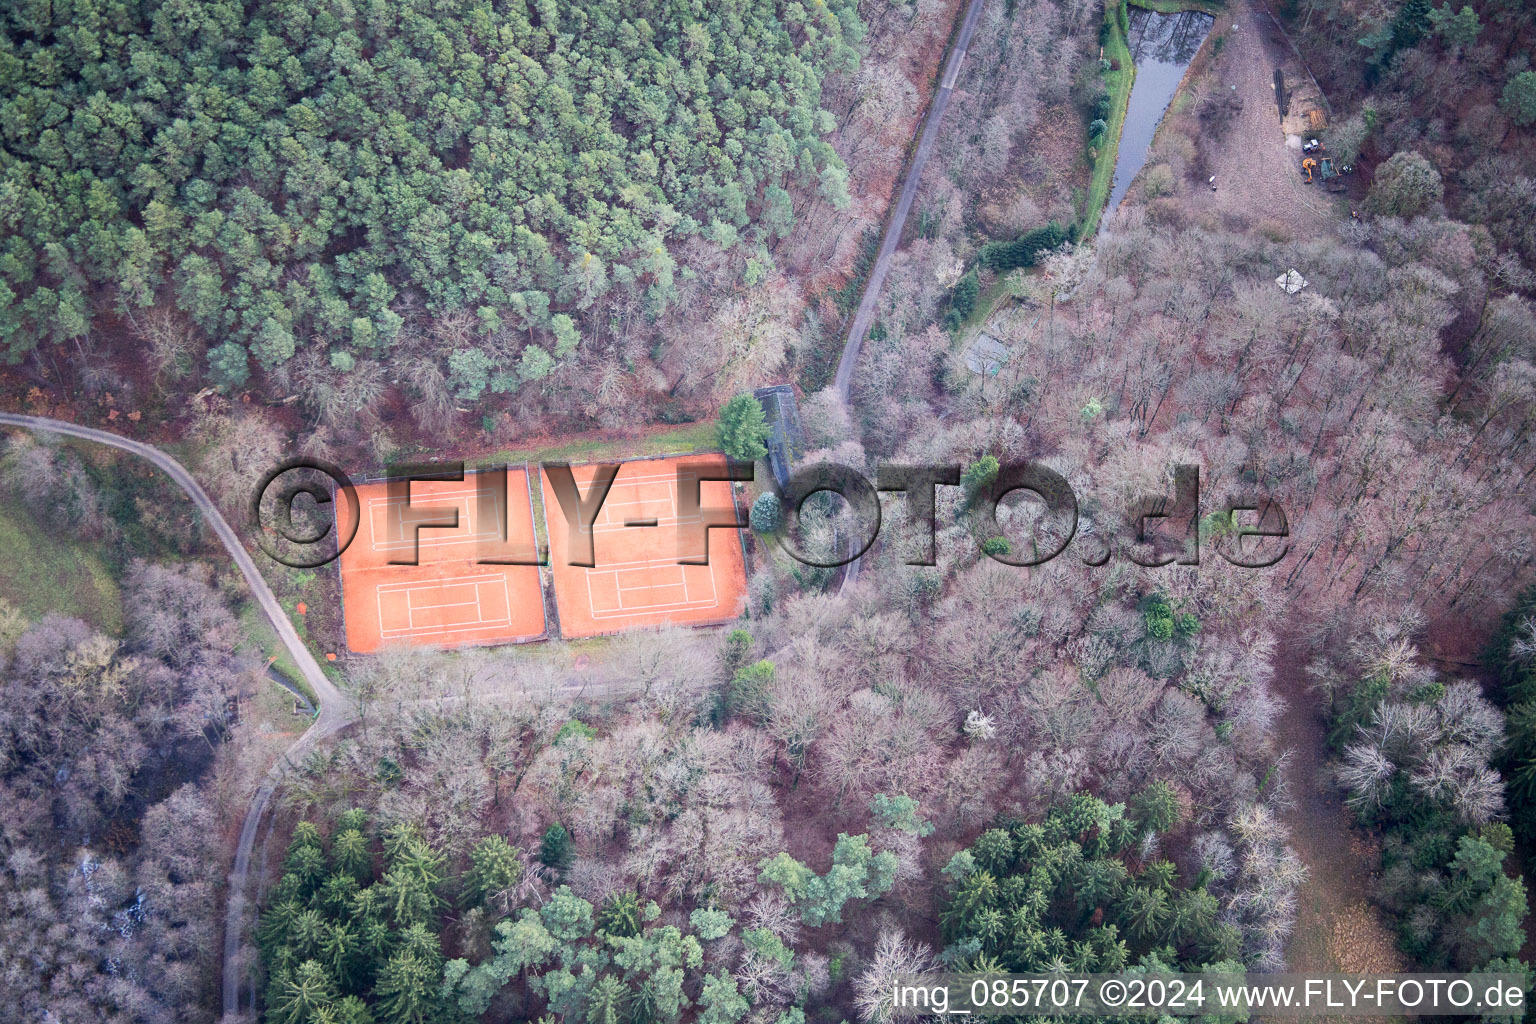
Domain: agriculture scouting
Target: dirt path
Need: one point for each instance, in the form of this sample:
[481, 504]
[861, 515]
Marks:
[1257, 177]
[898, 219]
[1337, 930]
[865, 316]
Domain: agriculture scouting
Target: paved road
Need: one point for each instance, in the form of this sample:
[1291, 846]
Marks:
[865, 317]
[336, 710]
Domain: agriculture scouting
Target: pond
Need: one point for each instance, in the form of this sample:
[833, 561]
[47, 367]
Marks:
[1162, 45]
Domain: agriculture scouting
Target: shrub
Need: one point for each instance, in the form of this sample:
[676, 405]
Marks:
[710, 923]
[555, 849]
[899, 812]
[494, 867]
[1405, 186]
[857, 873]
[1024, 250]
[1157, 181]
[767, 513]
[979, 475]
[738, 647]
[1519, 99]
[748, 691]
[388, 772]
[574, 727]
[1156, 808]
[620, 915]
[962, 301]
[996, 546]
[1218, 114]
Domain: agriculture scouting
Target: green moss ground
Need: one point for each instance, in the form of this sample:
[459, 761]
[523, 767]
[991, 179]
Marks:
[42, 572]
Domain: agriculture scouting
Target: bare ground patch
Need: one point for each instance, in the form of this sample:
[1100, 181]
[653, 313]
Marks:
[1336, 930]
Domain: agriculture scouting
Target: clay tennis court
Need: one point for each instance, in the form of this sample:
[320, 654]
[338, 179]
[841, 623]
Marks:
[448, 599]
[636, 579]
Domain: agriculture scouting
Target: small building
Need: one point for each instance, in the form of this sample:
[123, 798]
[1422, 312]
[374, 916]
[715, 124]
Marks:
[986, 355]
[786, 439]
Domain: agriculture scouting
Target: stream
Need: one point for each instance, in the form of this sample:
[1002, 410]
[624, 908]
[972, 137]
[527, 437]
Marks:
[1162, 45]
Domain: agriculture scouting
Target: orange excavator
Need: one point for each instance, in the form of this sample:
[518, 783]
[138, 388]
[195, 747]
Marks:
[1309, 165]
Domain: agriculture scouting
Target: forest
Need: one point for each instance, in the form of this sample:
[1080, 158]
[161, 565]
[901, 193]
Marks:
[380, 232]
[295, 176]
[108, 880]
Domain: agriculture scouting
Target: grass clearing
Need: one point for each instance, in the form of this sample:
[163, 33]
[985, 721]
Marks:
[269, 712]
[43, 573]
[1180, 6]
[685, 439]
[993, 294]
[536, 503]
[263, 642]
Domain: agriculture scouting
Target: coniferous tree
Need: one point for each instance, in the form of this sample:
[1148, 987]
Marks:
[743, 428]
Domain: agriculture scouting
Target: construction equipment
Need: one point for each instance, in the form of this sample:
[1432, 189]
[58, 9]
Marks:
[1309, 165]
[1332, 179]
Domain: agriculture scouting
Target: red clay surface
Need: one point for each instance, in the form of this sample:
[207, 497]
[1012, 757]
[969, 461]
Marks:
[636, 579]
[448, 599]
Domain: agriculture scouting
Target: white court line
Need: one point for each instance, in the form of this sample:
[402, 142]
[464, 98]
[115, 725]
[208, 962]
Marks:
[670, 606]
[640, 478]
[618, 573]
[626, 593]
[422, 500]
[449, 604]
[426, 501]
[661, 524]
[591, 603]
[379, 517]
[648, 562]
[625, 611]
[482, 623]
[647, 607]
[608, 521]
[439, 535]
[417, 586]
[646, 585]
[609, 515]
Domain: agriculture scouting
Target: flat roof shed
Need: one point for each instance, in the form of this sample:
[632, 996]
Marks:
[786, 439]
